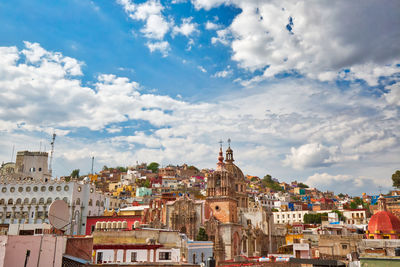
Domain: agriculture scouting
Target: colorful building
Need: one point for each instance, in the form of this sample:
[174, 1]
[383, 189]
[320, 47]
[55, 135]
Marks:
[383, 224]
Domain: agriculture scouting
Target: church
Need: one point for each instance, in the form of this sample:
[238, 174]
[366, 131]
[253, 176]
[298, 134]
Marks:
[226, 207]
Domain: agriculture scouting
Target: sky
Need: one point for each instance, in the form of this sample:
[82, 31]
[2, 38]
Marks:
[306, 90]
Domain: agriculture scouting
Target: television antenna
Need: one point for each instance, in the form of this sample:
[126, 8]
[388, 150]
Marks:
[59, 214]
[52, 152]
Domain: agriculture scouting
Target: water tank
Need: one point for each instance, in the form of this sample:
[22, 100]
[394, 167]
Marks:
[397, 251]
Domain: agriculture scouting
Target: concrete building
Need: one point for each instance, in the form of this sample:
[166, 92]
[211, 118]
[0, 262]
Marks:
[290, 217]
[44, 251]
[32, 165]
[27, 202]
[35, 250]
[139, 245]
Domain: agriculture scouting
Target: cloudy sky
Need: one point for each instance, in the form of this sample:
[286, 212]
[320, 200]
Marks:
[306, 90]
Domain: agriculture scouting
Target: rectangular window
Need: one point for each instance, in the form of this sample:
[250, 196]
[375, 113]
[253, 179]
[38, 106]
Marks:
[344, 246]
[99, 257]
[93, 227]
[133, 256]
[38, 231]
[165, 256]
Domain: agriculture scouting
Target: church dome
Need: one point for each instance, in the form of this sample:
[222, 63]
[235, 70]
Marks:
[235, 171]
[385, 222]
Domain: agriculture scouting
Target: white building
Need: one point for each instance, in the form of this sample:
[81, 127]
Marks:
[357, 216]
[290, 217]
[266, 200]
[27, 202]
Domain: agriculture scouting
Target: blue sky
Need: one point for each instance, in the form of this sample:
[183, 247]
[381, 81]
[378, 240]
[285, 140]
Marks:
[307, 91]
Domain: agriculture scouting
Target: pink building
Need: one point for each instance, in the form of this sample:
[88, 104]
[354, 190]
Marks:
[15, 250]
[43, 250]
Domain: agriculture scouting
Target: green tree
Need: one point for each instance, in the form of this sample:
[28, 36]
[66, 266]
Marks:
[153, 167]
[254, 179]
[301, 185]
[396, 179]
[202, 235]
[357, 201]
[341, 195]
[315, 218]
[147, 184]
[121, 169]
[105, 168]
[75, 173]
[268, 182]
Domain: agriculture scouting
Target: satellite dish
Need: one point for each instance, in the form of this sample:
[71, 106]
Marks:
[59, 214]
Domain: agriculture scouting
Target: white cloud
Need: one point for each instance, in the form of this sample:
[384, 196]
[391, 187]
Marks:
[223, 37]
[346, 183]
[223, 73]
[202, 69]
[212, 26]
[162, 47]
[208, 4]
[156, 25]
[318, 39]
[187, 28]
[310, 155]
[313, 125]
[393, 96]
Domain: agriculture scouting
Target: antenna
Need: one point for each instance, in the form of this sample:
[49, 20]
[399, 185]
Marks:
[92, 164]
[52, 152]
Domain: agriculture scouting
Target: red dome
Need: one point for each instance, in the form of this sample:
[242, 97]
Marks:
[385, 222]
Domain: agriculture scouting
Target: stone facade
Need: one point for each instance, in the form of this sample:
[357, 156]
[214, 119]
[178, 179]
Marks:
[185, 215]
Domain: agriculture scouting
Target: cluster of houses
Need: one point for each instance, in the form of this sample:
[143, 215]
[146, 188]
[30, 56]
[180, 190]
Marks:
[183, 215]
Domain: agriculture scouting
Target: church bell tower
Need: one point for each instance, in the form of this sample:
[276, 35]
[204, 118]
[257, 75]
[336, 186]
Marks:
[221, 193]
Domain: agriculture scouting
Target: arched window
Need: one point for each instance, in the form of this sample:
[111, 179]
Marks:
[10, 201]
[41, 200]
[218, 180]
[49, 200]
[2, 201]
[202, 257]
[97, 203]
[194, 258]
[19, 201]
[78, 201]
[33, 201]
[102, 204]
[26, 201]
[65, 199]
[90, 202]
